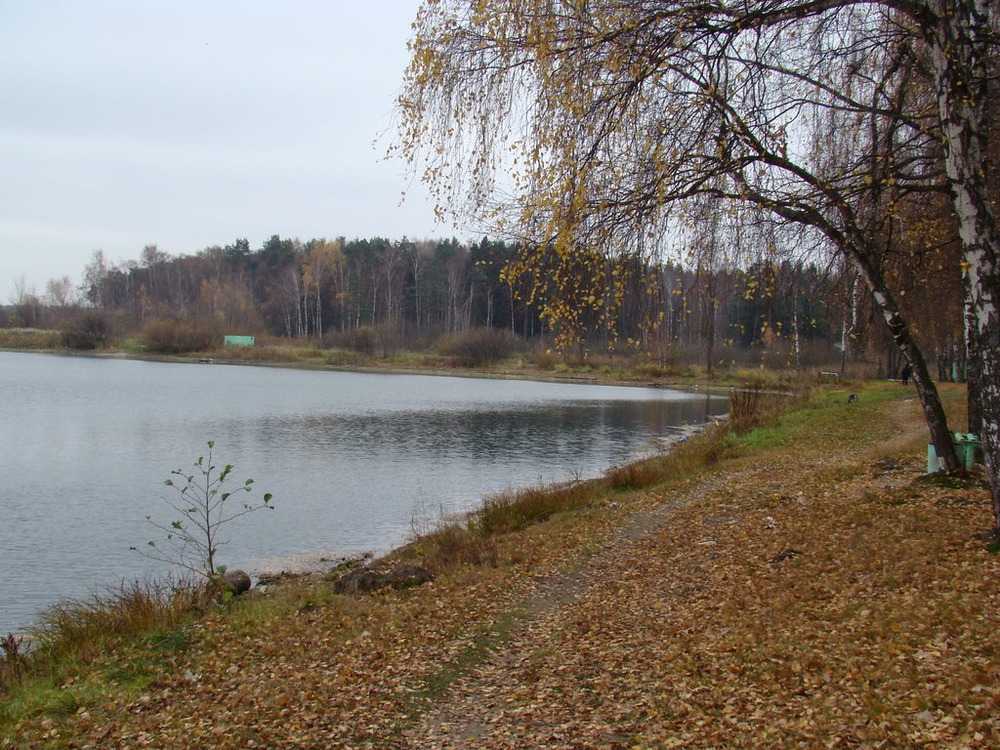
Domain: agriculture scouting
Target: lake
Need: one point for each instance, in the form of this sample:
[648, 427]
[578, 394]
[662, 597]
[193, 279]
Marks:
[351, 458]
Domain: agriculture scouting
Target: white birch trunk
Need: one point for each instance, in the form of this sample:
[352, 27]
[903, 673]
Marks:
[958, 35]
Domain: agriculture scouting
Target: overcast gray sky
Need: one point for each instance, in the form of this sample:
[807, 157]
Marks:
[190, 123]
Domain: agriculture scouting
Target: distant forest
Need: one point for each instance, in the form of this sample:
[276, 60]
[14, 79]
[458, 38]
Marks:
[779, 314]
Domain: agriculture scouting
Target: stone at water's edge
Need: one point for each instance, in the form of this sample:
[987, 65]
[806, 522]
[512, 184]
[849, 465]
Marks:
[236, 582]
[364, 579]
[270, 569]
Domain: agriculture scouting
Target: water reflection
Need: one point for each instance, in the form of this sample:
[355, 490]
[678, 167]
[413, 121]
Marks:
[475, 433]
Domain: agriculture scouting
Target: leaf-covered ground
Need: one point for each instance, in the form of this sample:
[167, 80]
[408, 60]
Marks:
[815, 592]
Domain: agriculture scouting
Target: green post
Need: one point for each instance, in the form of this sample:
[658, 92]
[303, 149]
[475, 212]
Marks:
[239, 341]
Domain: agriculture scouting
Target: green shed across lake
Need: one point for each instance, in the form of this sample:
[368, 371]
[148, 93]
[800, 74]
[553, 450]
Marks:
[239, 341]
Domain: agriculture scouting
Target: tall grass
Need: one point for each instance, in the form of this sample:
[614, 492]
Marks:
[73, 634]
[12, 659]
[746, 408]
[454, 544]
[176, 337]
[82, 626]
[479, 347]
[475, 539]
[751, 407]
[694, 455]
[513, 510]
[29, 338]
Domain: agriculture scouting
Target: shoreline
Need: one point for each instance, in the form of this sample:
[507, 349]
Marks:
[322, 562]
[317, 560]
[536, 375]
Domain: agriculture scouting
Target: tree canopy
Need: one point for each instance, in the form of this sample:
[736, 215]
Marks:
[592, 128]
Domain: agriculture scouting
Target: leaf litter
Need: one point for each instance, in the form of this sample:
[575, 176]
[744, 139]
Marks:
[818, 595]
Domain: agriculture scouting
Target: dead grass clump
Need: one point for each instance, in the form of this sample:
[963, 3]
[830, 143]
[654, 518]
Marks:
[637, 475]
[453, 544]
[345, 358]
[746, 409]
[751, 407]
[512, 510]
[85, 627]
[546, 359]
[478, 347]
[29, 338]
[176, 337]
[688, 458]
[74, 637]
[12, 660]
[702, 450]
[649, 370]
[259, 353]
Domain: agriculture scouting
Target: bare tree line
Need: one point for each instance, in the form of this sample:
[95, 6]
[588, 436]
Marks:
[721, 309]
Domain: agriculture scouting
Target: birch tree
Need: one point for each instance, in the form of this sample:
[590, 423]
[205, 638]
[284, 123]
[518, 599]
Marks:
[318, 263]
[586, 123]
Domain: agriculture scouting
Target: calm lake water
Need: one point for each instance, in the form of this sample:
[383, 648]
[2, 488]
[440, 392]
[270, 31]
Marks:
[86, 443]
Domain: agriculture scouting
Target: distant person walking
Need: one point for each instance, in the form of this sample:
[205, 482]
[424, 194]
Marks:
[905, 374]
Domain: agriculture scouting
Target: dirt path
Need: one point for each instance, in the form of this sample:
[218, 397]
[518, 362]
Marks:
[483, 709]
[740, 613]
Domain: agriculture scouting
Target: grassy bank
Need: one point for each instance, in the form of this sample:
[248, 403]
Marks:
[469, 361]
[800, 583]
[30, 339]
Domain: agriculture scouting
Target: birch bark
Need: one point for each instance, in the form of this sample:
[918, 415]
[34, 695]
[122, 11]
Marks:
[959, 35]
